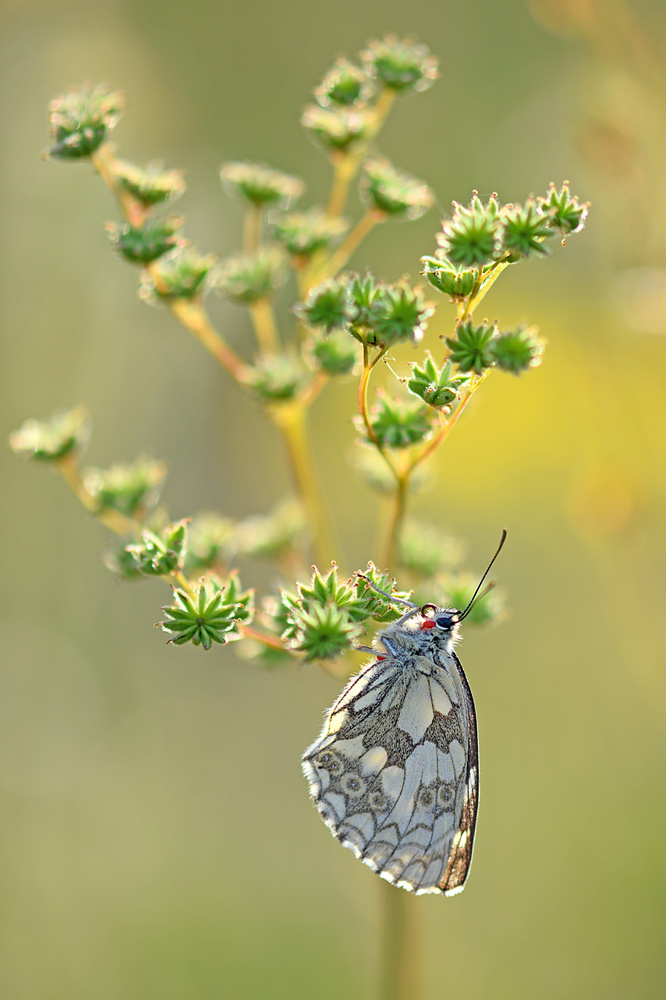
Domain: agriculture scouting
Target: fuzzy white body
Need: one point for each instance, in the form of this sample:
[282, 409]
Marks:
[394, 772]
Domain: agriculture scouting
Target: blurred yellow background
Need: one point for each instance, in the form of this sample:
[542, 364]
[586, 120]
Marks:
[157, 840]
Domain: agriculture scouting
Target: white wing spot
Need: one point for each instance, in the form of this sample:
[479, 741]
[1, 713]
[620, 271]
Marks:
[416, 713]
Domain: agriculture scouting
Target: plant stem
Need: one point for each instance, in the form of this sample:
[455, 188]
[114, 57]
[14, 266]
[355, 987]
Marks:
[346, 165]
[263, 321]
[290, 418]
[397, 518]
[103, 160]
[113, 519]
[252, 228]
[193, 316]
[363, 403]
[337, 260]
[399, 958]
[482, 286]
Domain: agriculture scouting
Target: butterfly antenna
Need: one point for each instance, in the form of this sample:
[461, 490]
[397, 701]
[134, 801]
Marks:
[463, 614]
[392, 597]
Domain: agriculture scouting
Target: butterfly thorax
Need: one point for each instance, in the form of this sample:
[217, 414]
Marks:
[419, 636]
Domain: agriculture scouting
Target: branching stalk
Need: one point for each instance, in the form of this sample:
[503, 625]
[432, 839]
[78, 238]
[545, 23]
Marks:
[263, 321]
[192, 315]
[289, 417]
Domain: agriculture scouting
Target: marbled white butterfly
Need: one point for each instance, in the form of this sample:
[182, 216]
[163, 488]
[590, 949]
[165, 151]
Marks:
[395, 771]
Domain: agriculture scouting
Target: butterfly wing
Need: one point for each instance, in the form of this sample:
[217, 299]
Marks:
[390, 772]
[460, 858]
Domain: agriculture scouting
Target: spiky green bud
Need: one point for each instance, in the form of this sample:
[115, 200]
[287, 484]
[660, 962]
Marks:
[182, 274]
[208, 616]
[335, 130]
[304, 233]
[130, 489]
[143, 244]
[517, 350]
[51, 440]
[328, 306]
[392, 192]
[524, 229]
[275, 379]
[470, 347]
[400, 314]
[156, 554]
[246, 278]
[436, 387]
[455, 282]
[150, 185]
[397, 423]
[261, 185]
[566, 213]
[400, 64]
[80, 120]
[345, 84]
[335, 353]
[324, 633]
[472, 237]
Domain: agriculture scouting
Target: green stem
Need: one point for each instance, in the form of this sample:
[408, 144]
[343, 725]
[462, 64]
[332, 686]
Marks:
[103, 161]
[337, 260]
[113, 519]
[346, 165]
[193, 316]
[252, 228]
[363, 403]
[399, 958]
[482, 286]
[290, 418]
[397, 518]
[263, 320]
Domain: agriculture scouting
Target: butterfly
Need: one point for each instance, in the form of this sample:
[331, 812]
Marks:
[395, 771]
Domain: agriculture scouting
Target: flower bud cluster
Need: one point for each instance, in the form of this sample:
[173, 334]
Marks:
[324, 619]
[375, 313]
[480, 235]
[477, 348]
[346, 98]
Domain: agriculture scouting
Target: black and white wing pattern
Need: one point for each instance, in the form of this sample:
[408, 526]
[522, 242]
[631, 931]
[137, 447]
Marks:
[394, 772]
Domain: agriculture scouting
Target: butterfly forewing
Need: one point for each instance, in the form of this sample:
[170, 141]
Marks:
[394, 772]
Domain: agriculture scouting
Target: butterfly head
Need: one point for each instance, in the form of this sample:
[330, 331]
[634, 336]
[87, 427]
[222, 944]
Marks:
[445, 619]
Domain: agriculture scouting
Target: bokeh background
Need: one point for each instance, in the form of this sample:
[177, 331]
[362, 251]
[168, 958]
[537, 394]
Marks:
[157, 840]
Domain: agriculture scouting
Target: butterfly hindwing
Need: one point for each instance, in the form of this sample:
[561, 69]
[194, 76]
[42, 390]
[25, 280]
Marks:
[394, 771]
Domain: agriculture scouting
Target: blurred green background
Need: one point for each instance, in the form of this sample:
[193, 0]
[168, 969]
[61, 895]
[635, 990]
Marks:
[157, 839]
